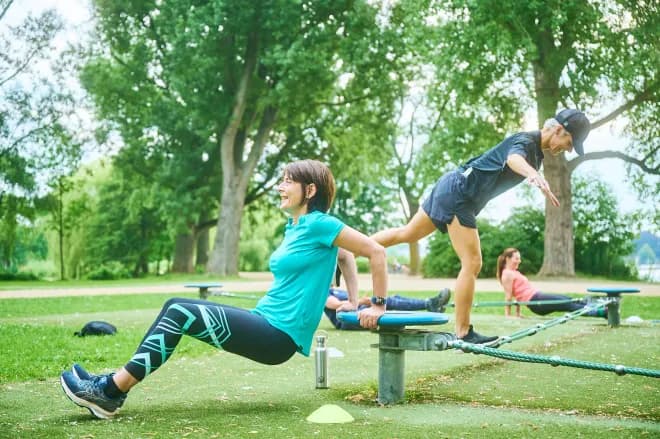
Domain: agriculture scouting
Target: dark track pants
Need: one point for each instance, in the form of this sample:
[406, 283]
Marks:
[544, 309]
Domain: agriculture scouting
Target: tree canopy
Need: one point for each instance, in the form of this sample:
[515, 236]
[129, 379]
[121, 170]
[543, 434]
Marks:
[35, 143]
[597, 56]
[208, 100]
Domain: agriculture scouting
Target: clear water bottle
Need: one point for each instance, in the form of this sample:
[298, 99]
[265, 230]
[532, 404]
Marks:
[321, 359]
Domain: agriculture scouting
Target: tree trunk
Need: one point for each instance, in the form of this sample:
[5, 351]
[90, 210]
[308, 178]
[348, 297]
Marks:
[236, 172]
[558, 248]
[143, 264]
[60, 228]
[224, 258]
[202, 256]
[558, 251]
[236, 175]
[183, 253]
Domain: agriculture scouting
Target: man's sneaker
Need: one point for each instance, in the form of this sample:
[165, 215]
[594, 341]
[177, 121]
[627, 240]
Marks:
[80, 372]
[90, 394]
[475, 338]
[439, 303]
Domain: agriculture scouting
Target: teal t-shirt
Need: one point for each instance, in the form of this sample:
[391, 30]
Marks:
[303, 267]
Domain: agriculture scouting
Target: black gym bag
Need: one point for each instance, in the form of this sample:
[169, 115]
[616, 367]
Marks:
[96, 328]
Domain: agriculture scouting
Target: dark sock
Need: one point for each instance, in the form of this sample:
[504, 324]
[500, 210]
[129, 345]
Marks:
[600, 312]
[111, 390]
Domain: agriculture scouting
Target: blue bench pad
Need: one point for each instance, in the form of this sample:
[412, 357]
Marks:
[203, 285]
[399, 318]
[612, 290]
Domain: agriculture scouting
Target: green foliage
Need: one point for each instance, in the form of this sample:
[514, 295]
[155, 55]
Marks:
[20, 243]
[102, 224]
[108, 271]
[23, 276]
[522, 230]
[603, 235]
[261, 232]
[12, 210]
[170, 78]
[254, 256]
[441, 260]
[126, 229]
[363, 265]
[35, 107]
[42, 269]
[32, 105]
[367, 211]
[21, 240]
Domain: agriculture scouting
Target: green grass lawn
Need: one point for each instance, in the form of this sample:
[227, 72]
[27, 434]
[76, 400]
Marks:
[205, 393]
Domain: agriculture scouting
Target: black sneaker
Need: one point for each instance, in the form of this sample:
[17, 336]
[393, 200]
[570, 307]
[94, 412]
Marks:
[475, 338]
[90, 394]
[439, 303]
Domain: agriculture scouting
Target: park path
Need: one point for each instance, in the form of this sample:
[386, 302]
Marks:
[256, 282]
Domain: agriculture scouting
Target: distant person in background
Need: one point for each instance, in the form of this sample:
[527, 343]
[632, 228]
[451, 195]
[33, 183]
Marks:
[517, 287]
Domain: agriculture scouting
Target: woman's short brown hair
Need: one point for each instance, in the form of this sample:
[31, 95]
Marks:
[307, 172]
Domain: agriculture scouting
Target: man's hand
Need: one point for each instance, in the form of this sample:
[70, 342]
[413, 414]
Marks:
[539, 182]
[369, 316]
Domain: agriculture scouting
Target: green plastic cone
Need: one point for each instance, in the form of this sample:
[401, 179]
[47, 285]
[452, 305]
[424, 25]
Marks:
[330, 414]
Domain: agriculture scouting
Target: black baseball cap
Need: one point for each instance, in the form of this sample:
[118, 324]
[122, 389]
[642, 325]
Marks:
[576, 123]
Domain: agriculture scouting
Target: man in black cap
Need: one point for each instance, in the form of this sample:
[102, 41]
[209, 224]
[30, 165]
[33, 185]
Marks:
[459, 196]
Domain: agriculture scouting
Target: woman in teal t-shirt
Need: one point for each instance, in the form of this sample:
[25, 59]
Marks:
[282, 323]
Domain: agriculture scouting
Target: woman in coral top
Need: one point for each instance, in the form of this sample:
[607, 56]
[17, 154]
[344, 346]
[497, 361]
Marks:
[517, 287]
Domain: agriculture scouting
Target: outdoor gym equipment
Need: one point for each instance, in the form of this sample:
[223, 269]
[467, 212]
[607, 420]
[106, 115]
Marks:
[395, 338]
[613, 293]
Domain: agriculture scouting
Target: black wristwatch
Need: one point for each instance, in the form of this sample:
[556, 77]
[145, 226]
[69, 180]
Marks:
[377, 300]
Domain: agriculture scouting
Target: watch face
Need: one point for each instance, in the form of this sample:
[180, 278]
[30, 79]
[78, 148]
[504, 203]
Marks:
[378, 300]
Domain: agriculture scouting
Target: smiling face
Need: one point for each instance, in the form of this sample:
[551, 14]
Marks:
[291, 196]
[513, 261]
[560, 141]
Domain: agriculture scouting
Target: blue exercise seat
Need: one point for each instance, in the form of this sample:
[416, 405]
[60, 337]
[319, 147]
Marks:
[399, 318]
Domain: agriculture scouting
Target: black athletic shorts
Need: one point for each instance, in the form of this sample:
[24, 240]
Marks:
[449, 199]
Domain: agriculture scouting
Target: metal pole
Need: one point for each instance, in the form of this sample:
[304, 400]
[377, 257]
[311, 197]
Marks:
[391, 368]
[613, 314]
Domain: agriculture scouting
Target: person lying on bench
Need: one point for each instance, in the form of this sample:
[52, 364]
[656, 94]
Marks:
[338, 297]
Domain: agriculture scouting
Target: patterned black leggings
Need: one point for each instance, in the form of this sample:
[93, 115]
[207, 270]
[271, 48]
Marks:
[232, 329]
